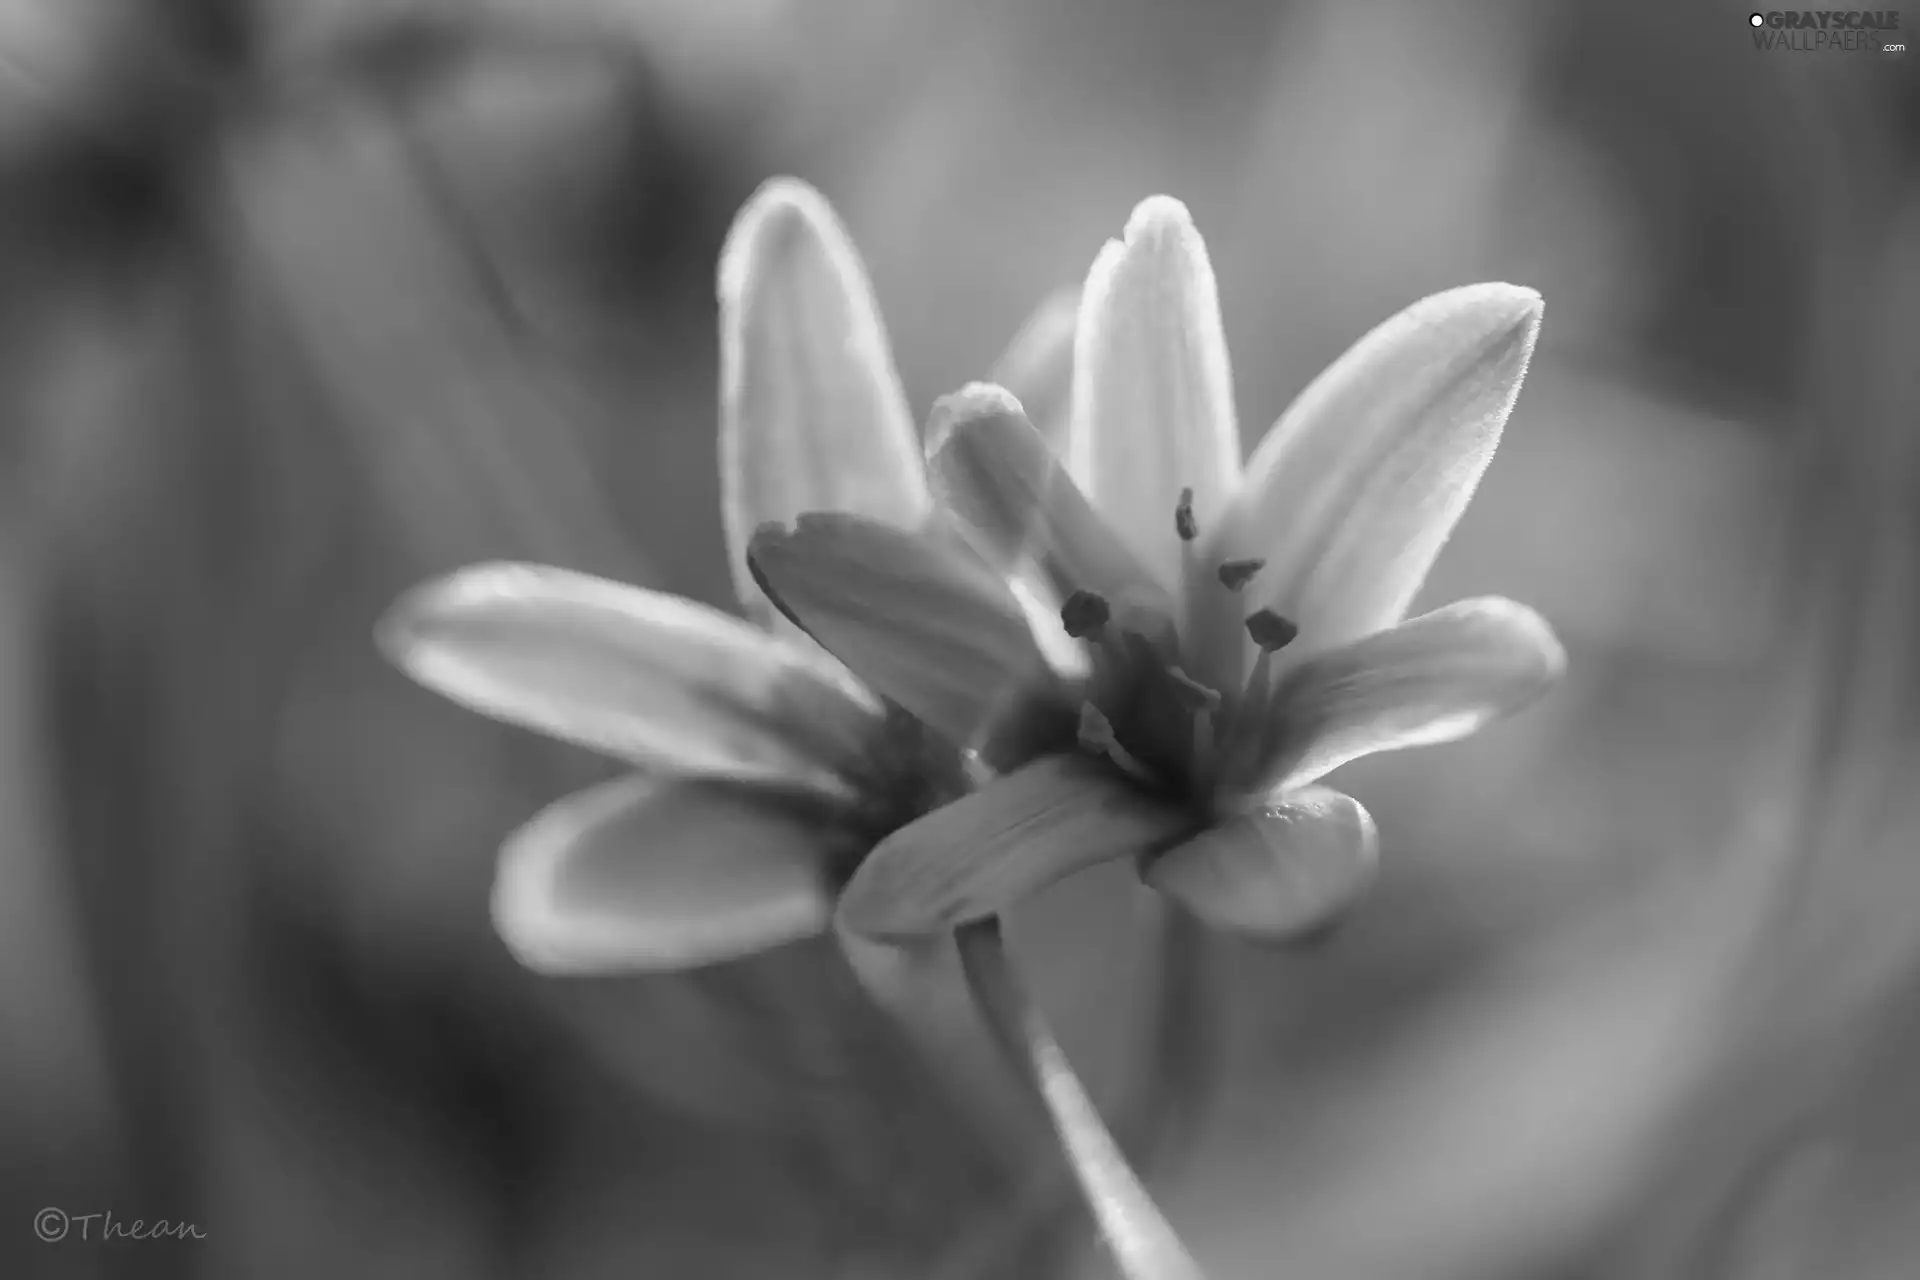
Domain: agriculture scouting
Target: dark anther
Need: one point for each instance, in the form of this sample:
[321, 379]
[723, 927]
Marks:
[1271, 631]
[1183, 522]
[1235, 574]
[1084, 614]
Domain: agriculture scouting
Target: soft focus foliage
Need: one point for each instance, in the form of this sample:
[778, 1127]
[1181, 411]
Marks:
[303, 303]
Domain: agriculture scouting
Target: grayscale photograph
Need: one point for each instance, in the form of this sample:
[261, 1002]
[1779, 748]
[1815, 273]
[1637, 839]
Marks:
[917, 640]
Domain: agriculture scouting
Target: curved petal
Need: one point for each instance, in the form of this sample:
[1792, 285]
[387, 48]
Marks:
[1037, 366]
[1278, 873]
[919, 618]
[1436, 678]
[1350, 496]
[812, 414]
[662, 874]
[981, 854]
[1017, 504]
[1152, 387]
[662, 682]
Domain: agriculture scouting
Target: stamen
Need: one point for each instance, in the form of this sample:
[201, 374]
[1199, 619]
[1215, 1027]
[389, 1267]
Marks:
[1084, 614]
[1240, 737]
[1202, 702]
[1123, 651]
[1271, 631]
[1096, 735]
[1096, 731]
[1194, 695]
[1242, 727]
[1235, 574]
[1149, 633]
[1183, 521]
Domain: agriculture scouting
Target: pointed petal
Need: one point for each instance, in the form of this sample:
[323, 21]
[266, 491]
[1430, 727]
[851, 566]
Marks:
[1350, 496]
[662, 874]
[1277, 873]
[1037, 367]
[812, 414]
[1153, 392]
[979, 855]
[1014, 499]
[1436, 678]
[918, 617]
[662, 682]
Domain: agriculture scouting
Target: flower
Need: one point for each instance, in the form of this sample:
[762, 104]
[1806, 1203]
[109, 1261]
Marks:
[1243, 629]
[765, 769]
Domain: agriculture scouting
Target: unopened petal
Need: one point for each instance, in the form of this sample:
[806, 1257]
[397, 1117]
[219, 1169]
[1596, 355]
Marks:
[1432, 679]
[1153, 391]
[1018, 505]
[981, 854]
[1037, 366]
[1351, 495]
[812, 414]
[653, 874]
[653, 679]
[917, 616]
[1277, 873]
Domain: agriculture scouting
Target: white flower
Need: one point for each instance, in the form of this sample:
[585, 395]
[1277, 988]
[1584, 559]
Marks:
[1243, 628]
[765, 770]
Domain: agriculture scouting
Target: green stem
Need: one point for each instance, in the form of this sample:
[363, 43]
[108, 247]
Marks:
[1142, 1241]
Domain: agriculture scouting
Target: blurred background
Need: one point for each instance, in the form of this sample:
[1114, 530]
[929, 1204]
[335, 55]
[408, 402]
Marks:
[304, 300]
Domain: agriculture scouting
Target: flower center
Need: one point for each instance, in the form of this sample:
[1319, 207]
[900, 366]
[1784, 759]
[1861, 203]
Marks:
[1143, 712]
[907, 771]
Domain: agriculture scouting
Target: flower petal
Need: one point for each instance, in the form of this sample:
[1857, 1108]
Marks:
[1017, 504]
[1350, 496]
[812, 414]
[1152, 390]
[662, 682]
[919, 618]
[661, 874]
[1037, 366]
[1277, 873]
[1436, 678]
[981, 854]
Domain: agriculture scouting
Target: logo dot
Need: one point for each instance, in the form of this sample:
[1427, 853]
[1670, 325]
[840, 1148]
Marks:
[1756, 19]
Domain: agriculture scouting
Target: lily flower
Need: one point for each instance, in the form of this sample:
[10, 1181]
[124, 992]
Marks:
[1243, 629]
[764, 769]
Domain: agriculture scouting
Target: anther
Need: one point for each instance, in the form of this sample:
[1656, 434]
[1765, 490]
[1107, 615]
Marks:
[1084, 614]
[1183, 521]
[1271, 631]
[1235, 574]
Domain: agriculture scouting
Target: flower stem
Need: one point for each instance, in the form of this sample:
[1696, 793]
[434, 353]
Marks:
[1142, 1241]
[1176, 1077]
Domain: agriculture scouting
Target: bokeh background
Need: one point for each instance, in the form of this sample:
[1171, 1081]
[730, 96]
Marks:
[304, 300]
